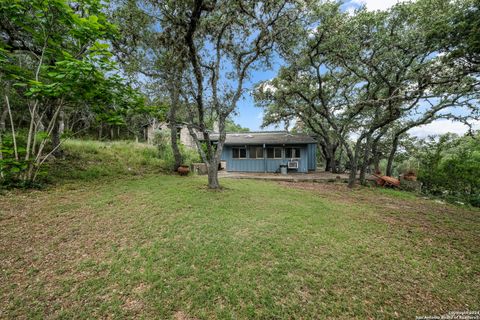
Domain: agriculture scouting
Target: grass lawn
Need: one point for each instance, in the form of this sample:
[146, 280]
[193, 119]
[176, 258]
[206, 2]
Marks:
[164, 247]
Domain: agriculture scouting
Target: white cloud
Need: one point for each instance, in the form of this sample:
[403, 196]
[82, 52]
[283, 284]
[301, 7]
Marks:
[373, 5]
[267, 87]
[292, 124]
[442, 127]
[350, 10]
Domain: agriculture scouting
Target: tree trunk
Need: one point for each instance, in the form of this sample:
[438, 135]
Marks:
[334, 166]
[376, 162]
[366, 155]
[391, 156]
[58, 129]
[100, 133]
[326, 156]
[353, 174]
[172, 119]
[56, 141]
[376, 156]
[61, 122]
[213, 182]
[333, 161]
[375, 153]
[353, 156]
[174, 142]
[329, 152]
[215, 156]
[339, 162]
[328, 164]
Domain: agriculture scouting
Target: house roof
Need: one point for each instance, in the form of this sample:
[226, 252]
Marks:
[263, 137]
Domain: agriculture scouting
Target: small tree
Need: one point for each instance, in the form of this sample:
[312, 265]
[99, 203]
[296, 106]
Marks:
[53, 57]
[224, 41]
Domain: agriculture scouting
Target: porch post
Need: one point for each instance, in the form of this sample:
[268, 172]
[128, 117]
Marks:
[264, 159]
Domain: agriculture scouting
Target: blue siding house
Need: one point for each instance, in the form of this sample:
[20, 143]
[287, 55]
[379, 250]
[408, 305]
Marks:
[267, 151]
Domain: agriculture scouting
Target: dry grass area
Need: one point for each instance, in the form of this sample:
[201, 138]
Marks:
[165, 247]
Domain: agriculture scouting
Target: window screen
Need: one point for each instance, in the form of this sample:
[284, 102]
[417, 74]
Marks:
[256, 152]
[274, 153]
[292, 153]
[278, 153]
[239, 153]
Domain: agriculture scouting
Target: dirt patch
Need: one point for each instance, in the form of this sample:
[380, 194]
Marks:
[335, 189]
[180, 315]
[133, 305]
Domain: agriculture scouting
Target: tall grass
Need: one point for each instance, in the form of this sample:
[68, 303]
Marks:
[162, 141]
[90, 159]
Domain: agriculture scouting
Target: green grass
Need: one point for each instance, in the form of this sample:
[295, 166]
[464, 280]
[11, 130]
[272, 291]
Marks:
[116, 238]
[89, 160]
[163, 247]
[400, 194]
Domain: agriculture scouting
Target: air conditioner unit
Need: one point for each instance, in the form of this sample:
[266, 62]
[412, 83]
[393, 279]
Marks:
[292, 164]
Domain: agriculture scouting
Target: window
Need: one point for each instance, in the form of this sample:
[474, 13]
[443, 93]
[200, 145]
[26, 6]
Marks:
[274, 153]
[292, 153]
[256, 152]
[239, 153]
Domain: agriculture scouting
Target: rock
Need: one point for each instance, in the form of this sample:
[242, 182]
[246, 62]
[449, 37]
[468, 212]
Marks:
[199, 168]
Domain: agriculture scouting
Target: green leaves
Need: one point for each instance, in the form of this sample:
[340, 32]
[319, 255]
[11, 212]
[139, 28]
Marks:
[10, 168]
[56, 75]
[55, 58]
[67, 46]
[450, 167]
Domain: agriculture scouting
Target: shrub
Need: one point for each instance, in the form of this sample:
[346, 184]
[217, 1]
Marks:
[12, 168]
[162, 141]
[450, 168]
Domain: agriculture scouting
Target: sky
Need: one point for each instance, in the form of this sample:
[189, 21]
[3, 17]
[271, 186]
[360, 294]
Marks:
[250, 116]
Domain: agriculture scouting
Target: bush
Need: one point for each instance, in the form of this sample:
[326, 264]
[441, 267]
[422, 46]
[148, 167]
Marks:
[450, 168]
[11, 168]
[162, 141]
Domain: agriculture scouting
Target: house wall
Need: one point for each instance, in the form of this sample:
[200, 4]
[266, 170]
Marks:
[267, 165]
[152, 128]
[185, 138]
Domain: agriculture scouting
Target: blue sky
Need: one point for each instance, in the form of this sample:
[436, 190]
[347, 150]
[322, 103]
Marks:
[250, 116]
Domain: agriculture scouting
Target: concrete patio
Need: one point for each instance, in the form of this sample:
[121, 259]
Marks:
[317, 176]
